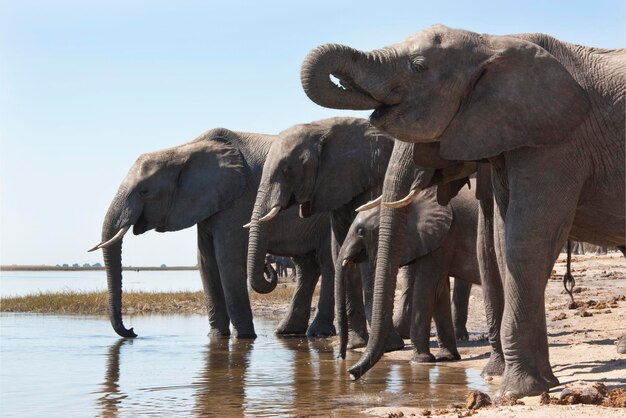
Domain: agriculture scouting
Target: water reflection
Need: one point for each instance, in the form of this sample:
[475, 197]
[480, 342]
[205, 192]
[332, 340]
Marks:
[220, 386]
[112, 397]
[266, 377]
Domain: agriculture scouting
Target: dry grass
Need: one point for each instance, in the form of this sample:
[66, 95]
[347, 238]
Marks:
[96, 303]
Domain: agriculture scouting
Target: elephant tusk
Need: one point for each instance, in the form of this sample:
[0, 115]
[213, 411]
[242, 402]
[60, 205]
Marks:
[116, 238]
[248, 225]
[405, 201]
[370, 205]
[271, 214]
[345, 262]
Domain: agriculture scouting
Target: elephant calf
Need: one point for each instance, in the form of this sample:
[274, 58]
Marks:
[441, 242]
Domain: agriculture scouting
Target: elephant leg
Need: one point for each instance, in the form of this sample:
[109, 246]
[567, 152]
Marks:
[402, 310]
[357, 325]
[460, 307]
[430, 272]
[232, 269]
[219, 321]
[297, 319]
[322, 325]
[539, 217]
[443, 322]
[491, 280]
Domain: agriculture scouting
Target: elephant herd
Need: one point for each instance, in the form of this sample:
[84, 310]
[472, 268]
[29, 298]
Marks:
[482, 156]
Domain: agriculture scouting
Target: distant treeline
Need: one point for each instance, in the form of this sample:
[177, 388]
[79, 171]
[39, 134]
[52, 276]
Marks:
[69, 268]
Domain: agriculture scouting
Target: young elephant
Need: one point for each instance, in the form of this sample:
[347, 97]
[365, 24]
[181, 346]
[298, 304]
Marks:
[212, 182]
[441, 241]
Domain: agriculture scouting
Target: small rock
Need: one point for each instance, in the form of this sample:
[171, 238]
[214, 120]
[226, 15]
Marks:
[477, 399]
[585, 313]
[425, 412]
[560, 317]
[544, 399]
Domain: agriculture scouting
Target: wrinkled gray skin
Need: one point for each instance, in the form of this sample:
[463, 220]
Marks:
[212, 182]
[441, 242]
[333, 165]
[547, 115]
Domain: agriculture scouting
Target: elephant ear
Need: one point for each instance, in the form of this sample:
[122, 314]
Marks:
[212, 177]
[354, 158]
[522, 97]
[431, 222]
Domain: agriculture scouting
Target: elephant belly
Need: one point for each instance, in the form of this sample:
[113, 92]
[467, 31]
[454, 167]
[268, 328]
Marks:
[601, 219]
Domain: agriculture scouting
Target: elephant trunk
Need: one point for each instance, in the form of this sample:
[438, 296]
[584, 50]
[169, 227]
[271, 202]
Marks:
[391, 242]
[341, 313]
[114, 222]
[344, 63]
[257, 249]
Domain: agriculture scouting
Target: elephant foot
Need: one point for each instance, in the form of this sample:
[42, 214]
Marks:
[461, 334]
[446, 354]
[495, 365]
[621, 345]
[247, 336]
[394, 342]
[519, 385]
[423, 358]
[216, 333]
[320, 329]
[356, 340]
[288, 328]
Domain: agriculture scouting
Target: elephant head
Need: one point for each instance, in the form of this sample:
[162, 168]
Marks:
[169, 190]
[478, 95]
[320, 166]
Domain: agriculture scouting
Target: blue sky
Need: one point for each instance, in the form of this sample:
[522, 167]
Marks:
[85, 87]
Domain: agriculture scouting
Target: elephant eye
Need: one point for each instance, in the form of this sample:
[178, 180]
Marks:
[360, 232]
[418, 63]
[143, 193]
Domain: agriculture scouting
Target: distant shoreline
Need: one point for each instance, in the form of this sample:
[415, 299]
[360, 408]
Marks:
[61, 268]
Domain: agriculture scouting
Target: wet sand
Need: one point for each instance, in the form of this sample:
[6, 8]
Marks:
[582, 340]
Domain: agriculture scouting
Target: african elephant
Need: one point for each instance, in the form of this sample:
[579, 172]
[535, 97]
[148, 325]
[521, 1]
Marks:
[549, 118]
[333, 165]
[212, 182]
[441, 242]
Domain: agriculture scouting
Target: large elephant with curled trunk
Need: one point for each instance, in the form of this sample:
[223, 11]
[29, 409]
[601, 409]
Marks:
[441, 242]
[211, 182]
[334, 165]
[547, 115]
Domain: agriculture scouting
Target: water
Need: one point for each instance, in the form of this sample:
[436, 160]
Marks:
[20, 283]
[75, 366]
[71, 366]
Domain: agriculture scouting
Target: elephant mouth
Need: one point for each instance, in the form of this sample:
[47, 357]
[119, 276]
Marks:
[141, 225]
[305, 210]
[359, 257]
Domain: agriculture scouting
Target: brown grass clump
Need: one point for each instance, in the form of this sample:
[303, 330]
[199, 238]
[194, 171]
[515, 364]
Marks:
[96, 303]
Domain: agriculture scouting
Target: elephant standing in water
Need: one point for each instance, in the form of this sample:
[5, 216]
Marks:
[333, 165]
[441, 242]
[547, 115]
[212, 182]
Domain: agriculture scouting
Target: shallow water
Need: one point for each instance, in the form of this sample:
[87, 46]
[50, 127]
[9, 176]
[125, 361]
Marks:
[20, 283]
[69, 366]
